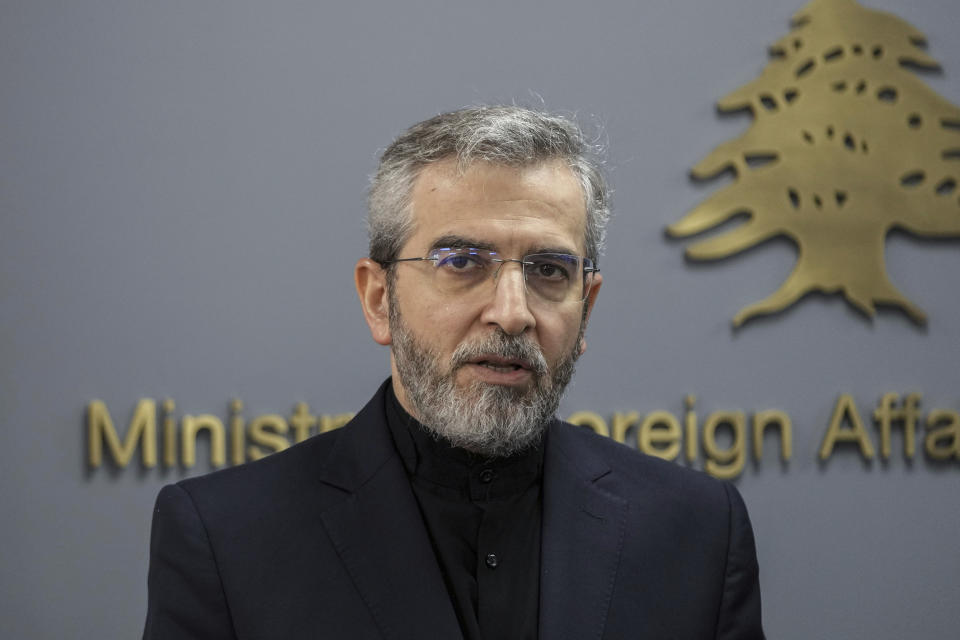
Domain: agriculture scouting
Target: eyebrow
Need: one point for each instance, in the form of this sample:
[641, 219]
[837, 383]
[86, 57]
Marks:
[460, 242]
[564, 250]
[452, 241]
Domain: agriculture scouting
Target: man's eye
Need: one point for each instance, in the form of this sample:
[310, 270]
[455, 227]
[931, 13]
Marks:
[550, 271]
[460, 262]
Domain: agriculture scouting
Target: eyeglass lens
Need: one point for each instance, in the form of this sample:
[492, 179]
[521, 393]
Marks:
[553, 277]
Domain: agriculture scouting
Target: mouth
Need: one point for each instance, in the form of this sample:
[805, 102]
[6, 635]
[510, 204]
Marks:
[501, 365]
[501, 371]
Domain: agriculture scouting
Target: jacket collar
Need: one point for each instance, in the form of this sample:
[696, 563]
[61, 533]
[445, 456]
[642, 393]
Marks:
[381, 539]
[379, 534]
[361, 449]
[581, 539]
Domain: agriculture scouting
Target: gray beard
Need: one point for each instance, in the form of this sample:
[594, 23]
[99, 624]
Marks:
[488, 419]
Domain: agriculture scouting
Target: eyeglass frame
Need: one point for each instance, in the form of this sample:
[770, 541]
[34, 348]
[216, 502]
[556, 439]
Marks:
[588, 264]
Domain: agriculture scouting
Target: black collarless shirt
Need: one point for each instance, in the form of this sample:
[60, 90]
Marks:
[483, 518]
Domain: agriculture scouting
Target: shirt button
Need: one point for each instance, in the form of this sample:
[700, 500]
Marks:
[491, 560]
[486, 476]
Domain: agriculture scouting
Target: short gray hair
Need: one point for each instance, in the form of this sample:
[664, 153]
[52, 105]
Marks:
[503, 135]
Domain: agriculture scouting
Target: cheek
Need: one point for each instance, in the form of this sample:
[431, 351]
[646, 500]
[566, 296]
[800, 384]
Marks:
[445, 326]
[558, 336]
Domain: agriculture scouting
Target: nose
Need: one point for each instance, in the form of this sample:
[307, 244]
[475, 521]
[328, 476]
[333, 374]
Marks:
[508, 308]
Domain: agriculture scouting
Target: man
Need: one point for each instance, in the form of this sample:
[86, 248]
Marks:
[455, 505]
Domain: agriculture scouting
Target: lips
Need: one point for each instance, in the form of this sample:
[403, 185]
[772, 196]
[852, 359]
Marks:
[501, 359]
[501, 365]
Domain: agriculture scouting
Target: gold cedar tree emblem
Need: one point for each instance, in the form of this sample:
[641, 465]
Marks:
[846, 144]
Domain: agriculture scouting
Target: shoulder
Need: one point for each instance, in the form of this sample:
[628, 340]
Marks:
[635, 475]
[683, 531]
[695, 513]
[307, 471]
[291, 464]
[259, 489]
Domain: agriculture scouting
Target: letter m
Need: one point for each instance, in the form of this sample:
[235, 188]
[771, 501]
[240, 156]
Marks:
[142, 430]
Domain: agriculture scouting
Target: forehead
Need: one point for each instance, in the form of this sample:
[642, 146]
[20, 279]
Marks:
[511, 208]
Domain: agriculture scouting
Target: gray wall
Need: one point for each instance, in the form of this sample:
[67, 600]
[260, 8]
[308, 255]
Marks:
[181, 192]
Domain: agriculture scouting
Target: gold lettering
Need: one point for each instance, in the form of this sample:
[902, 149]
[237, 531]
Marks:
[885, 416]
[621, 423]
[302, 421]
[329, 423]
[911, 415]
[728, 463]
[142, 429]
[169, 433]
[943, 442]
[266, 431]
[192, 426]
[660, 428]
[237, 437]
[764, 419]
[846, 410]
[690, 421]
[590, 420]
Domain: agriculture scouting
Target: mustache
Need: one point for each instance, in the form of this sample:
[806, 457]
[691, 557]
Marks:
[499, 344]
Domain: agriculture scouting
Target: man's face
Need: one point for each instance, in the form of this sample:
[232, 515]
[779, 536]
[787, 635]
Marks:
[487, 371]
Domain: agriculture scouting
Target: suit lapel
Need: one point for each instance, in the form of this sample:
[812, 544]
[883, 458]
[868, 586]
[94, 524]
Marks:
[379, 534]
[582, 535]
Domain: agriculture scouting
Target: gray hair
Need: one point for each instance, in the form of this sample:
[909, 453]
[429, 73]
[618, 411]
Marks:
[504, 135]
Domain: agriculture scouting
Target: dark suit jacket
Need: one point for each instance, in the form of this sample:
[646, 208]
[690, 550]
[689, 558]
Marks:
[325, 540]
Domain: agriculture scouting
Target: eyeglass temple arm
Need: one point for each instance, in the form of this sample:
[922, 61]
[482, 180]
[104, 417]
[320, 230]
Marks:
[386, 262]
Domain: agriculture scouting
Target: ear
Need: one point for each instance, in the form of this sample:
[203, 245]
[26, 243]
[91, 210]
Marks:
[371, 281]
[591, 299]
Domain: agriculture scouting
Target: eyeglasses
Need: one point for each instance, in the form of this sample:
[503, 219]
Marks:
[551, 277]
